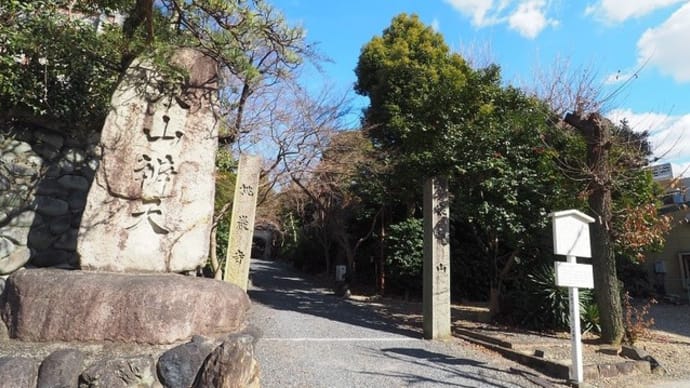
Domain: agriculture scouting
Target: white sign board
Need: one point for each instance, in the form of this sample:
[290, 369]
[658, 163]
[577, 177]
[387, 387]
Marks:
[574, 275]
[662, 172]
[571, 233]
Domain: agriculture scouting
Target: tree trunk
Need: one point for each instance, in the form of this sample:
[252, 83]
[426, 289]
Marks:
[606, 289]
[327, 258]
[495, 291]
[343, 240]
[381, 281]
[494, 301]
[597, 134]
[215, 266]
[350, 256]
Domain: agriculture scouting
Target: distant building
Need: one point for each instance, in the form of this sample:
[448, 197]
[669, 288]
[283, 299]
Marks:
[670, 268]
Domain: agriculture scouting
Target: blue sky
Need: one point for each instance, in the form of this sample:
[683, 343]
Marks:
[612, 38]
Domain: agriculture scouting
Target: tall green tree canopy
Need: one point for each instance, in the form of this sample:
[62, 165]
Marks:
[417, 91]
[433, 114]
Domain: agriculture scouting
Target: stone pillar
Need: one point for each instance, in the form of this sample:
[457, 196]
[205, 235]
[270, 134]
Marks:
[436, 303]
[242, 221]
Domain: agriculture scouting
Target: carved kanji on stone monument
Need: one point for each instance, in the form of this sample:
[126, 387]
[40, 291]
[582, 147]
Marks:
[150, 207]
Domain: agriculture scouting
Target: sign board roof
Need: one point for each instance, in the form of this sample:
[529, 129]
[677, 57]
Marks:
[571, 233]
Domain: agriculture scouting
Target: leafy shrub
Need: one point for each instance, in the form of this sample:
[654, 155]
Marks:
[59, 69]
[589, 315]
[300, 246]
[405, 255]
[636, 320]
[222, 238]
[470, 270]
[551, 301]
[226, 168]
[541, 305]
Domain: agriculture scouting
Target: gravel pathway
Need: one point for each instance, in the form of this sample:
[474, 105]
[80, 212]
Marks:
[310, 338]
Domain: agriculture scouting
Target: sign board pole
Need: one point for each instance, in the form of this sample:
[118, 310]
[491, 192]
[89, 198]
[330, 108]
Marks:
[576, 372]
[571, 238]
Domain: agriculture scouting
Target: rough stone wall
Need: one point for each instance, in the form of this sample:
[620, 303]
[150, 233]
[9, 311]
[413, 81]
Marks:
[44, 179]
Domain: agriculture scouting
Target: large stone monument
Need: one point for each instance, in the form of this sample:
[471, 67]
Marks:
[151, 203]
[148, 215]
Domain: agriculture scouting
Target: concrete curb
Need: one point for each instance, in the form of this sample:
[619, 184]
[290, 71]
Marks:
[552, 368]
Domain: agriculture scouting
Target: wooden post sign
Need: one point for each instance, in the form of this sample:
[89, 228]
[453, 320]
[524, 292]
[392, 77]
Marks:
[571, 238]
[242, 221]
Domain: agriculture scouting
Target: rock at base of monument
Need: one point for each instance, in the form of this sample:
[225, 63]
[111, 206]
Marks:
[120, 373]
[18, 372]
[230, 365]
[60, 369]
[60, 305]
[178, 366]
[14, 260]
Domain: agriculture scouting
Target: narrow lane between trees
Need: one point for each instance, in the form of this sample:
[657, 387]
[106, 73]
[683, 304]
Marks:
[311, 338]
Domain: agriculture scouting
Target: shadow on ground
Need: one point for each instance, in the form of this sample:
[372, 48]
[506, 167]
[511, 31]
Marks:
[454, 368]
[276, 285]
[428, 356]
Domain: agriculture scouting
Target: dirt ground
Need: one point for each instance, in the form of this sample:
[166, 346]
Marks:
[669, 343]
[668, 340]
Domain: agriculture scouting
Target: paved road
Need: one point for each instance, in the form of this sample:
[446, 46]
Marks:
[312, 338]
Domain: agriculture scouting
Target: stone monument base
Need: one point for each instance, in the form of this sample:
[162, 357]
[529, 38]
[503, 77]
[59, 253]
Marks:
[96, 329]
[62, 305]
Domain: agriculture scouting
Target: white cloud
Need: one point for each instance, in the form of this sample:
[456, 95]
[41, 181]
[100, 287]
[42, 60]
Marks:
[681, 169]
[527, 17]
[662, 47]
[665, 46]
[668, 134]
[436, 25]
[477, 9]
[616, 11]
